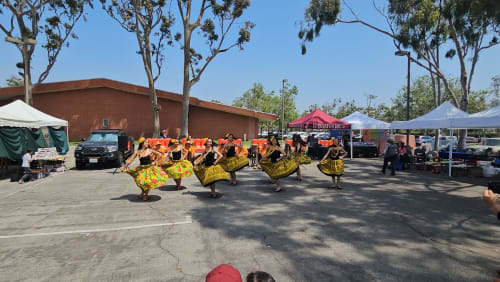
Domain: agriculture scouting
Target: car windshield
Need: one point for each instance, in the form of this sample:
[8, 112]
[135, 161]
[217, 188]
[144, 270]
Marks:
[103, 137]
[446, 143]
[492, 142]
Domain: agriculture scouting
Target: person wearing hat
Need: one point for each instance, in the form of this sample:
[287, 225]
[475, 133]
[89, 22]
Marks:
[158, 160]
[146, 175]
[231, 161]
[275, 164]
[332, 164]
[207, 169]
[254, 156]
[223, 273]
[299, 153]
[188, 151]
[177, 166]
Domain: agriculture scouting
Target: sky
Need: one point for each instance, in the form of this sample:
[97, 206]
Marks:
[347, 61]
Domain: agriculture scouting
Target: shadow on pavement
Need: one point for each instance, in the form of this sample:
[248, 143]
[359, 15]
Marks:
[134, 198]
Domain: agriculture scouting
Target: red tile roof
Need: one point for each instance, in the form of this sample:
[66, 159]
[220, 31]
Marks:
[9, 92]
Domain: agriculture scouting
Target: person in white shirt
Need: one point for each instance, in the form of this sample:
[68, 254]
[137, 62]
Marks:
[27, 159]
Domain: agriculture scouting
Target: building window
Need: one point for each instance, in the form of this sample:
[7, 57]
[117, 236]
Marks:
[105, 123]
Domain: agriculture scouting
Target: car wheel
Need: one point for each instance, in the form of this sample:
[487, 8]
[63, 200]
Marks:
[79, 165]
[119, 160]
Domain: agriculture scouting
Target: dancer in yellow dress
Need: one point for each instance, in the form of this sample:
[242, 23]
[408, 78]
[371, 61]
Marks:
[177, 167]
[146, 175]
[275, 164]
[207, 168]
[332, 163]
[232, 162]
[299, 153]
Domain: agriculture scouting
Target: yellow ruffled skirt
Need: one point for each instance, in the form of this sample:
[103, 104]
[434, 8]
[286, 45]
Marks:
[178, 169]
[234, 163]
[332, 167]
[148, 177]
[210, 174]
[279, 169]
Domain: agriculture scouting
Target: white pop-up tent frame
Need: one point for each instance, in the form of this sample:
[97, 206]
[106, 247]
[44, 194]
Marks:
[20, 114]
[361, 121]
[443, 116]
[489, 118]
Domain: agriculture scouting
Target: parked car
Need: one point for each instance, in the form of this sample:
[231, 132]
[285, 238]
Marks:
[323, 136]
[487, 147]
[471, 139]
[424, 139]
[101, 147]
[445, 144]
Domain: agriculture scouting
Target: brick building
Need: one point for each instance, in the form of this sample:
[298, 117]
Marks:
[103, 103]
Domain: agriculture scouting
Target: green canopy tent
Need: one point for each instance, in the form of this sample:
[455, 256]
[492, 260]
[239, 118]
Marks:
[20, 130]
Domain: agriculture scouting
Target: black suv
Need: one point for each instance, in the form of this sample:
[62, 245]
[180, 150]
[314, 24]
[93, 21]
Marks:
[101, 147]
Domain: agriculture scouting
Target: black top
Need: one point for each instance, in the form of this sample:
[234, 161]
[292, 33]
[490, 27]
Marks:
[209, 159]
[176, 155]
[275, 156]
[498, 215]
[231, 152]
[145, 160]
[335, 153]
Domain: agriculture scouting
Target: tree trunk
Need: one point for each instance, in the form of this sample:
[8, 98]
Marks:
[186, 87]
[154, 107]
[28, 96]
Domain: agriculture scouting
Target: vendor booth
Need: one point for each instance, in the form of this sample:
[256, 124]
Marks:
[361, 121]
[443, 116]
[21, 129]
[318, 119]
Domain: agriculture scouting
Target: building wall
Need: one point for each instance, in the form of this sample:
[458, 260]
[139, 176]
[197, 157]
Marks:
[85, 110]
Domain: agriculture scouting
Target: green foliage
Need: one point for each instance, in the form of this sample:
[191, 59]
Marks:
[13, 81]
[422, 99]
[216, 101]
[54, 19]
[258, 100]
[317, 14]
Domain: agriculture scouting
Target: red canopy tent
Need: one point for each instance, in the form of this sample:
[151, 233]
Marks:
[318, 119]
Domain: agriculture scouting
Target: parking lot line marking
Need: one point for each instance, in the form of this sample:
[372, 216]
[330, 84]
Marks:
[187, 221]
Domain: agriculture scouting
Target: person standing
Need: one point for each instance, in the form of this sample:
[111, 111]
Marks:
[390, 155]
[254, 156]
[299, 150]
[332, 164]
[177, 167]
[27, 159]
[232, 162]
[275, 164]
[147, 176]
[207, 169]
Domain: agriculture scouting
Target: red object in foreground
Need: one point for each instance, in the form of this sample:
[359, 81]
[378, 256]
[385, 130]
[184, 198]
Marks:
[224, 273]
[318, 119]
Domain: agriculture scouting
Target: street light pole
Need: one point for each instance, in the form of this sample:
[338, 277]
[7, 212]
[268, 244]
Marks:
[407, 54]
[283, 109]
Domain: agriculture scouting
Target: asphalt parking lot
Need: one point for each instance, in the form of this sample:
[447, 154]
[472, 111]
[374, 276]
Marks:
[89, 226]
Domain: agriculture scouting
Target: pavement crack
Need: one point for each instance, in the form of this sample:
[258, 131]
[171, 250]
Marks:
[178, 266]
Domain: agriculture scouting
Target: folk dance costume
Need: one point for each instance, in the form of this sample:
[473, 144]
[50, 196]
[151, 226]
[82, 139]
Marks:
[233, 162]
[147, 176]
[333, 165]
[177, 168]
[278, 169]
[300, 156]
[207, 172]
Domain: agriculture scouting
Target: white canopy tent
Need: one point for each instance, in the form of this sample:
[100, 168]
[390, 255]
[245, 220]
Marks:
[362, 121]
[20, 114]
[486, 119]
[443, 116]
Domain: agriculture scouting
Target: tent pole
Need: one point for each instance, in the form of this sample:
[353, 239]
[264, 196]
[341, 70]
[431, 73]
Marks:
[350, 143]
[450, 151]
